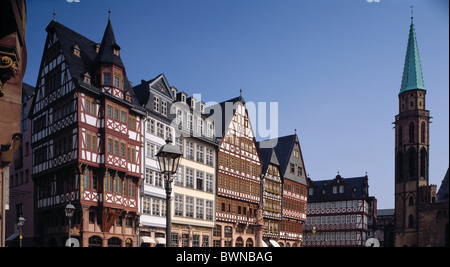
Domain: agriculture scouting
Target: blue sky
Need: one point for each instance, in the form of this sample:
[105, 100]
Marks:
[334, 67]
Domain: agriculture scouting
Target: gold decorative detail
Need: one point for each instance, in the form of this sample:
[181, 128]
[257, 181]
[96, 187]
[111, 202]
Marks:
[8, 68]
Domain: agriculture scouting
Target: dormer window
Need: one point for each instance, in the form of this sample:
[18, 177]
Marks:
[183, 98]
[202, 108]
[76, 50]
[87, 78]
[192, 102]
[116, 52]
[97, 47]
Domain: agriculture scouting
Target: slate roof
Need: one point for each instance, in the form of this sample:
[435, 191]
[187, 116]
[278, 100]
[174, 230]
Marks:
[443, 194]
[283, 147]
[412, 71]
[354, 188]
[267, 156]
[89, 58]
[108, 44]
[28, 89]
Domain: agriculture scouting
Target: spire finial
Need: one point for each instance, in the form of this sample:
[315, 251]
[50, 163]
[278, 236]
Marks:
[54, 15]
[412, 13]
[240, 92]
[295, 131]
[109, 14]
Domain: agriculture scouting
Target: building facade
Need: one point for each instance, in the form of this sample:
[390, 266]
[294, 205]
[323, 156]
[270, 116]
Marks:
[21, 186]
[238, 213]
[340, 213]
[156, 97]
[86, 142]
[272, 196]
[13, 52]
[195, 183]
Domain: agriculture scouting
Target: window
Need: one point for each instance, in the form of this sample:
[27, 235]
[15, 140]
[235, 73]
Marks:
[199, 180]
[109, 110]
[123, 116]
[178, 205]
[209, 210]
[209, 157]
[200, 153]
[163, 107]
[110, 145]
[158, 179]
[155, 207]
[189, 207]
[106, 78]
[199, 208]
[189, 150]
[300, 171]
[148, 176]
[209, 183]
[151, 126]
[116, 114]
[189, 177]
[292, 168]
[160, 127]
[156, 103]
[116, 81]
[146, 205]
[86, 179]
[179, 176]
[132, 123]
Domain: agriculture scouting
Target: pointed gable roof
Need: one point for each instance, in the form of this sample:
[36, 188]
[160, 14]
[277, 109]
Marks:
[223, 114]
[67, 38]
[107, 47]
[412, 71]
[267, 156]
[283, 147]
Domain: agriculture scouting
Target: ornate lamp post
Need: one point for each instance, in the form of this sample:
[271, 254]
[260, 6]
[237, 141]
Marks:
[69, 209]
[20, 224]
[168, 159]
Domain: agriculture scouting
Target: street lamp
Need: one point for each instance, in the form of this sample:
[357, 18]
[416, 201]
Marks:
[20, 224]
[168, 159]
[69, 209]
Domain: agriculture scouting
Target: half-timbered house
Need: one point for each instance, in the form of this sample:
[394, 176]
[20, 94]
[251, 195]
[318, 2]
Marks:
[295, 186]
[86, 141]
[238, 211]
[340, 212]
[272, 195]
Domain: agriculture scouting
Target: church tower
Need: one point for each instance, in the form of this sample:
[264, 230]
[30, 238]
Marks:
[411, 146]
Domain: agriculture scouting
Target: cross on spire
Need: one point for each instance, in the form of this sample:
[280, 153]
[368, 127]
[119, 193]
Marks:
[412, 13]
[109, 14]
[54, 15]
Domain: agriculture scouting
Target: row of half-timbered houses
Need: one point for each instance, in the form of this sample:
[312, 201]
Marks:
[94, 141]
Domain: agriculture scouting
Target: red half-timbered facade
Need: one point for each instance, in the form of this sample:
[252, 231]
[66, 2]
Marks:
[86, 141]
[238, 212]
[294, 190]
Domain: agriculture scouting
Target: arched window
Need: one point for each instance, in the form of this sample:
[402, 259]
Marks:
[249, 242]
[114, 242]
[412, 163]
[422, 132]
[423, 163]
[399, 167]
[239, 242]
[411, 221]
[411, 132]
[411, 201]
[400, 136]
[95, 241]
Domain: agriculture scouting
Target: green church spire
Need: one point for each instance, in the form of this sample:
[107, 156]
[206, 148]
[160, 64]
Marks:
[412, 71]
